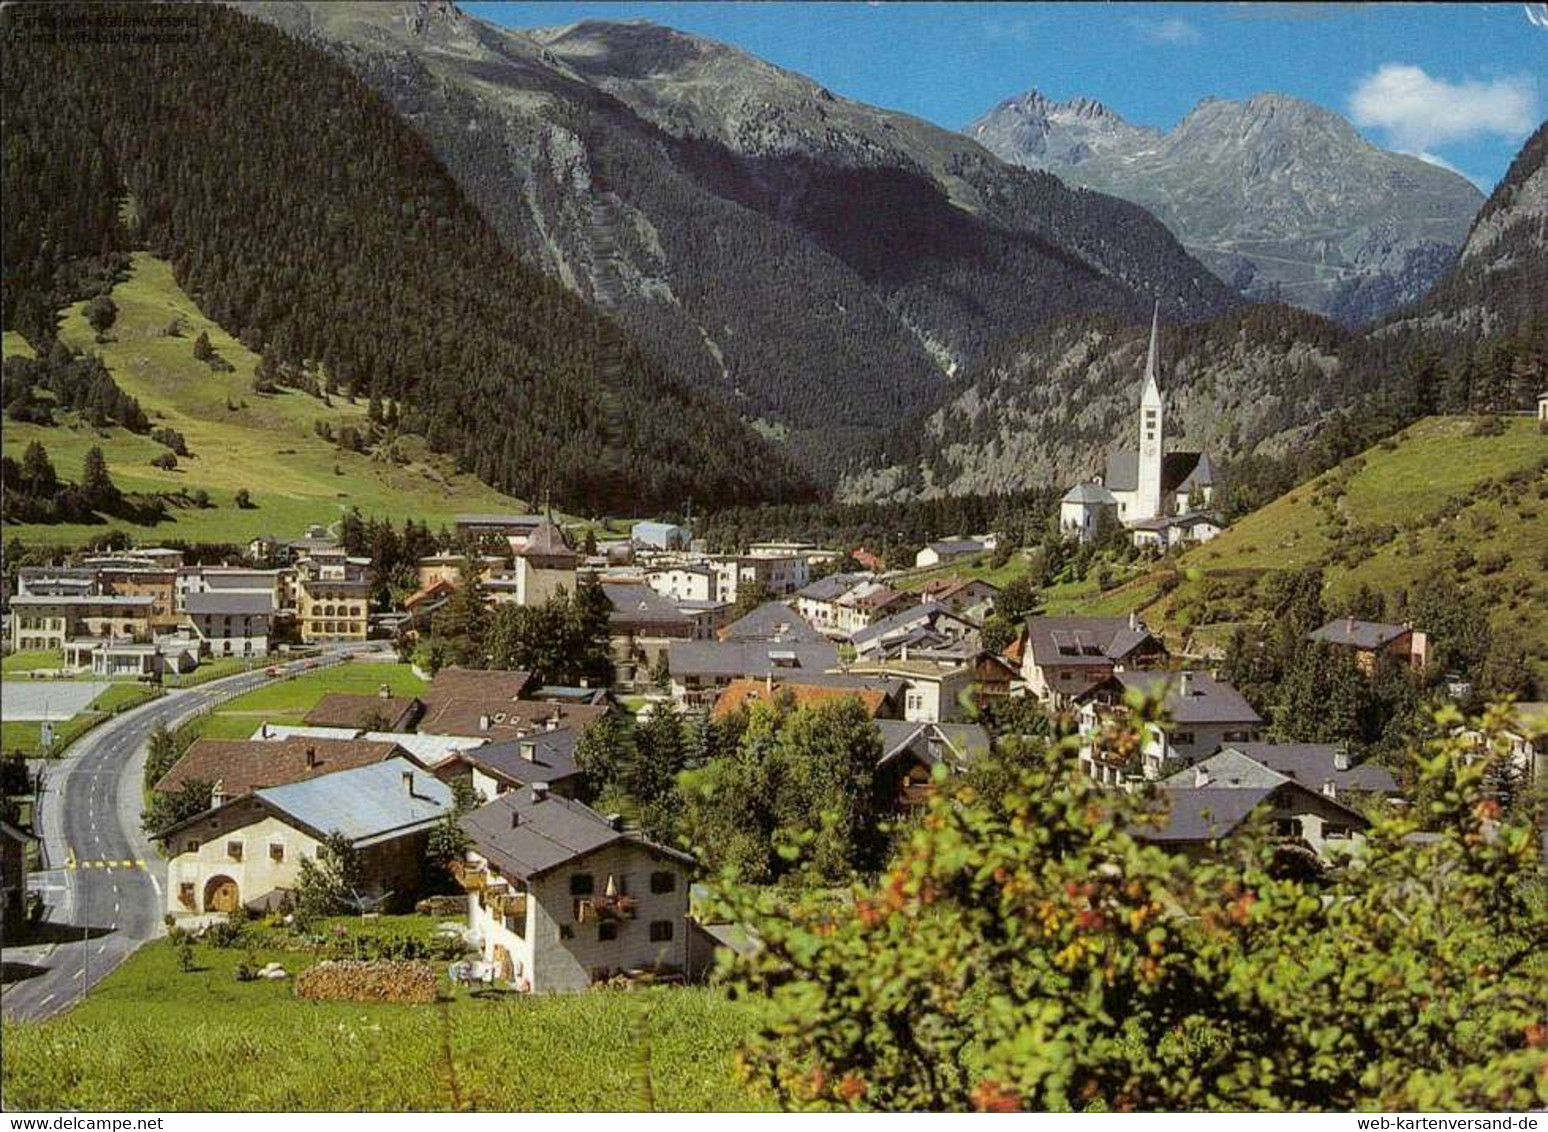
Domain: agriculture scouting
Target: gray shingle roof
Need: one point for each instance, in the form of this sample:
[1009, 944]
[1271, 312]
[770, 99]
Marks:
[1359, 634]
[832, 587]
[1202, 814]
[1089, 493]
[544, 835]
[641, 605]
[1312, 764]
[749, 658]
[929, 613]
[366, 804]
[1177, 468]
[957, 546]
[1207, 700]
[771, 621]
[1082, 640]
[553, 757]
[957, 744]
[237, 603]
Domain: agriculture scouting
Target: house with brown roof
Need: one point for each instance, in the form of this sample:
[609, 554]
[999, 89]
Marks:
[455, 683]
[960, 594]
[234, 767]
[381, 712]
[505, 719]
[740, 694]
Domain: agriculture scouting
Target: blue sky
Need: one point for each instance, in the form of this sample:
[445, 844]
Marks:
[1462, 84]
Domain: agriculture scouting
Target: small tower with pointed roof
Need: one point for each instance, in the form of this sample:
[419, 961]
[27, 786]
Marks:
[1152, 432]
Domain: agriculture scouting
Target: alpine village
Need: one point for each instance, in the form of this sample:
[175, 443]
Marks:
[532, 552]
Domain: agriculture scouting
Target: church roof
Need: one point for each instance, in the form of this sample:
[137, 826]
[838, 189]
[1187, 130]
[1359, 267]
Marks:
[1089, 493]
[1177, 469]
[547, 541]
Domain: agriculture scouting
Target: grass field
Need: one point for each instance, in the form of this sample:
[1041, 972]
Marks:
[979, 566]
[288, 701]
[18, 663]
[154, 1038]
[26, 735]
[267, 445]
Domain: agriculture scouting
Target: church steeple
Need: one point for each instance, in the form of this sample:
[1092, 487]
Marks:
[1152, 387]
[1148, 496]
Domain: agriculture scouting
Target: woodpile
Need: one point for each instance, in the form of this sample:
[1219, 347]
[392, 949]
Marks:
[377, 980]
[442, 906]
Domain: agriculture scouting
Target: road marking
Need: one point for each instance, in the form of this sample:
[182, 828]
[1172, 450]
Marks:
[79, 973]
[101, 949]
[46, 1001]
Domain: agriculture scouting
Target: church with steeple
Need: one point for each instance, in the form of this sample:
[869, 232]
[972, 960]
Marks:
[1163, 498]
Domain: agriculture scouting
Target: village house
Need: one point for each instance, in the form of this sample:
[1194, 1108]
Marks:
[510, 764]
[515, 529]
[14, 843]
[1063, 658]
[641, 626]
[333, 595]
[380, 712]
[684, 582]
[234, 767]
[905, 776]
[971, 597]
[433, 568]
[919, 627]
[781, 577]
[562, 897]
[932, 691]
[1204, 714]
[1193, 820]
[701, 669]
[1326, 768]
[248, 851]
[660, 536]
[869, 601]
[771, 621]
[230, 623]
[130, 577]
[77, 624]
[817, 602]
[1371, 639]
[950, 550]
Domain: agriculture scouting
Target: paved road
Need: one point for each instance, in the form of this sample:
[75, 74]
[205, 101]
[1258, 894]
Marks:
[104, 884]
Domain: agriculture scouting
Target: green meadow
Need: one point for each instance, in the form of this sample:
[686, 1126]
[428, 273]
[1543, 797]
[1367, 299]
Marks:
[239, 439]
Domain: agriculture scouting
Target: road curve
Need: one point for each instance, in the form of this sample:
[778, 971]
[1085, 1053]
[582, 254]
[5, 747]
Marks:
[105, 883]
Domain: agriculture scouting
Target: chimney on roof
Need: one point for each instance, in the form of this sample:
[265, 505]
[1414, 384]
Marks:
[1185, 684]
[383, 692]
[408, 783]
[1200, 776]
[483, 723]
[1341, 757]
[615, 820]
[1134, 621]
[528, 751]
[585, 681]
[1330, 789]
[311, 757]
[540, 791]
[515, 818]
[264, 734]
[552, 722]
[1349, 625]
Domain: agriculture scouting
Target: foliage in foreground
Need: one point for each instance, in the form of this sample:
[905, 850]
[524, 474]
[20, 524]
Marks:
[1026, 952]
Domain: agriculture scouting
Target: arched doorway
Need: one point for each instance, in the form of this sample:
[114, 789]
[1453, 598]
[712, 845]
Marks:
[220, 895]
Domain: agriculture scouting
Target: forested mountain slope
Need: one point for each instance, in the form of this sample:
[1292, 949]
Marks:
[824, 264]
[298, 209]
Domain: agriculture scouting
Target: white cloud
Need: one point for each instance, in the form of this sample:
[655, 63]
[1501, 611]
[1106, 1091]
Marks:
[1419, 113]
[1172, 31]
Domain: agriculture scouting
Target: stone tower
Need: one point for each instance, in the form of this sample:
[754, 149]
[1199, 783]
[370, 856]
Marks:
[1152, 431]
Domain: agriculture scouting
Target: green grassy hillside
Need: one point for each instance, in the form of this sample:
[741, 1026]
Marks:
[152, 1036]
[1451, 495]
[1463, 497]
[266, 444]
